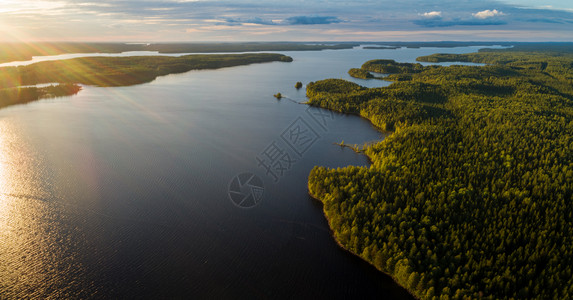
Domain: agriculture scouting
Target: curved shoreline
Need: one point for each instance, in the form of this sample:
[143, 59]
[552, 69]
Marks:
[315, 198]
[433, 208]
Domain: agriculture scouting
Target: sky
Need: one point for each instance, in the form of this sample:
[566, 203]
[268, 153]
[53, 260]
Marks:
[285, 20]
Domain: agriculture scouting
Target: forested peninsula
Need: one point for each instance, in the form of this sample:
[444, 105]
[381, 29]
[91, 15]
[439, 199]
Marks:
[471, 196]
[17, 83]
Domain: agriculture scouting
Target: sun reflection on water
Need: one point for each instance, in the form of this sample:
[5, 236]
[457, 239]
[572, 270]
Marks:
[16, 269]
[8, 174]
[17, 166]
[29, 256]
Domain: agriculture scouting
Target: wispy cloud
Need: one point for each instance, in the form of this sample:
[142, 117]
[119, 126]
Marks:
[295, 20]
[240, 21]
[546, 20]
[311, 20]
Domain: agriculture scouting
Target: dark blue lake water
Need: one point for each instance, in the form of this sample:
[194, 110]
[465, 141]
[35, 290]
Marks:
[124, 192]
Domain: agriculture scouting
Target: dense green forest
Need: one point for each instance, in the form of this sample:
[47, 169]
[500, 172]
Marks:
[388, 66]
[108, 71]
[360, 73]
[471, 196]
[400, 71]
[21, 95]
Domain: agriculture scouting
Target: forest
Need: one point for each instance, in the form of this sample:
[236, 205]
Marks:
[360, 73]
[388, 66]
[108, 71]
[400, 71]
[471, 195]
[21, 95]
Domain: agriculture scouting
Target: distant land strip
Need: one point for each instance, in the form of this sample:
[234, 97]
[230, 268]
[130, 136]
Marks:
[17, 84]
[23, 51]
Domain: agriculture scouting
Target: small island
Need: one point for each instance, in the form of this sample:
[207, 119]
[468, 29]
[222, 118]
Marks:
[298, 85]
[398, 71]
[278, 96]
[354, 147]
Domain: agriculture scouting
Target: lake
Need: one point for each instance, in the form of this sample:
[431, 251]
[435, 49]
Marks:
[131, 192]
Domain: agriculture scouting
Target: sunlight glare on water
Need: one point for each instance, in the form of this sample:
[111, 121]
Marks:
[29, 252]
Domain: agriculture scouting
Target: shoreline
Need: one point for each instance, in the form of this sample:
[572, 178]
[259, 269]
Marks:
[24, 95]
[18, 84]
[370, 161]
[315, 198]
[415, 212]
[25, 53]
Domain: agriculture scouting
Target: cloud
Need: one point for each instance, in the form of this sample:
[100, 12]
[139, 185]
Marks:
[484, 14]
[432, 14]
[481, 18]
[549, 21]
[458, 22]
[542, 20]
[296, 20]
[254, 20]
[221, 20]
[311, 20]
